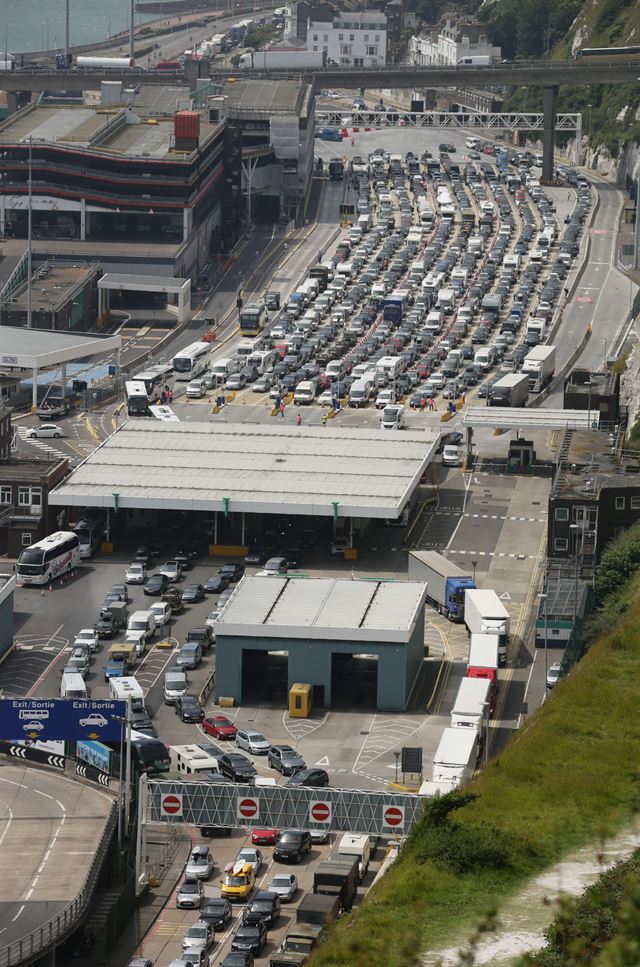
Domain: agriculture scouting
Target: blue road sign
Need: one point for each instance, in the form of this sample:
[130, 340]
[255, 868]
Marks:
[61, 718]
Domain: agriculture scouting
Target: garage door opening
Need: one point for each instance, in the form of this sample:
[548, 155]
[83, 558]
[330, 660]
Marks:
[265, 677]
[354, 681]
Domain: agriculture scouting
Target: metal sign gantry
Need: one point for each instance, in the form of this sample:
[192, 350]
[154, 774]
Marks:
[348, 810]
[514, 121]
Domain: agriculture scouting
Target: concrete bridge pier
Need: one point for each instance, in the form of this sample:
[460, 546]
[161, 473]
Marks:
[549, 102]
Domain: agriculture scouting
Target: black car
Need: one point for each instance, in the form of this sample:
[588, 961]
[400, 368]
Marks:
[236, 767]
[264, 907]
[105, 626]
[250, 938]
[238, 958]
[204, 637]
[192, 593]
[144, 556]
[217, 584]
[232, 571]
[294, 554]
[216, 912]
[156, 584]
[189, 709]
[309, 777]
[292, 845]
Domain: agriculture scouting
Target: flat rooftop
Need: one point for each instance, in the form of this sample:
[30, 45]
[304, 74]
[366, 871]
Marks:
[257, 468]
[29, 348]
[281, 607]
[95, 128]
[53, 286]
[590, 465]
[245, 98]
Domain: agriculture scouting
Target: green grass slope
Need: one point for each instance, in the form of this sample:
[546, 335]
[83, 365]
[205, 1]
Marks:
[570, 776]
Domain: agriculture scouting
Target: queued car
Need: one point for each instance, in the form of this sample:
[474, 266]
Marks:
[136, 573]
[219, 727]
[156, 584]
[233, 572]
[309, 777]
[216, 584]
[285, 885]
[236, 767]
[189, 708]
[285, 759]
[264, 836]
[190, 894]
[252, 741]
[238, 881]
[250, 938]
[263, 907]
[200, 864]
[252, 856]
[192, 593]
[200, 934]
[216, 911]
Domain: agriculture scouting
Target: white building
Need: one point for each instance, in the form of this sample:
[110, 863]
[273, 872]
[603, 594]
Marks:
[454, 42]
[352, 39]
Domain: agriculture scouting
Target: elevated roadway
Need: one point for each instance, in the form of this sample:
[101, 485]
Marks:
[53, 836]
[540, 73]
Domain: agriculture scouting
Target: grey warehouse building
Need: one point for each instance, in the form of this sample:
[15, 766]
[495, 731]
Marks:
[358, 642]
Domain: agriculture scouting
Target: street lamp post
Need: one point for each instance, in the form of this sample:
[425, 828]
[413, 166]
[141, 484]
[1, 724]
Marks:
[575, 528]
[543, 598]
[474, 565]
[604, 355]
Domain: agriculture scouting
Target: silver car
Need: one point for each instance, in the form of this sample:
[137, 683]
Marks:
[172, 570]
[200, 865]
[252, 741]
[285, 885]
[199, 934]
[190, 894]
[136, 573]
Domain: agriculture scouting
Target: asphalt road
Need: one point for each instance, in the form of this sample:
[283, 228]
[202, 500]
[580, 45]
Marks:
[49, 827]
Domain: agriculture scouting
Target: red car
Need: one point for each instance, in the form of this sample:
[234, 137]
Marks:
[219, 727]
[264, 837]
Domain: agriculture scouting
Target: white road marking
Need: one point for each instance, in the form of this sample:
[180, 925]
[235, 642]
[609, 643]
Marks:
[18, 913]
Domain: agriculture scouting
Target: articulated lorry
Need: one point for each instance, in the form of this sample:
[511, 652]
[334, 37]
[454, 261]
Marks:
[539, 365]
[336, 169]
[283, 60]
[338, 878]
[483, 663]
[446, 582]
[511, 390]
[455, 760]
[485, 614]
[471, 707]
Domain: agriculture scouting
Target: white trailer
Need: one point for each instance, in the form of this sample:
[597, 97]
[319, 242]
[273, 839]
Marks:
[483, 652]
[356, 845]
[485, 614]
[455, 760]
[471, 707]
[539, 365]
[283, 60]
[191, 759]
[124, 688]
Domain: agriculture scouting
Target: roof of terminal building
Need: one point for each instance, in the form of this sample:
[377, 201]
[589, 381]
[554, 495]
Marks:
[98, 128]
[265, 97]
[54, 284]
[29, 348]
[284, 607]
[256, 467]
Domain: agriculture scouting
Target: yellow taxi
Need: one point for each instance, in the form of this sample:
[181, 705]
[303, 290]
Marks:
[239, 880]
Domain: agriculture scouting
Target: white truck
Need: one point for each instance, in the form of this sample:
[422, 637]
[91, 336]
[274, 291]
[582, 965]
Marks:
[471, 707]
[539, 365]
[278, 60]
[305, 392]
[485, 614]
[356, 845]
[455, 760]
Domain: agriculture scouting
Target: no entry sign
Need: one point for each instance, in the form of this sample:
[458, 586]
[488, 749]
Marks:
[320, 812]
[171, 805]
[248, 808]
[393, 816]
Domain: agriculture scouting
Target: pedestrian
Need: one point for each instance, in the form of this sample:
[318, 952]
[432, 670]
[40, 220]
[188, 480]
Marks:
[335, 403]
[566, 292]
[282, 410]
[353, 142]
[278, 401]
[170, 395]
[324, 418]
[298, 420]
[423, 404]
[431, 404]
[568, 196]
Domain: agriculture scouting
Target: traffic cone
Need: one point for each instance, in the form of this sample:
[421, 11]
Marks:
[50, 588]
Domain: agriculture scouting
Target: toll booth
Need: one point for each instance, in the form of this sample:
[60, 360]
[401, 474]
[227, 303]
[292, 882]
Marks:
[300, 700]
[521, 456]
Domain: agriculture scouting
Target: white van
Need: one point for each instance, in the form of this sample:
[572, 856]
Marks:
[364, 222]
[484, 358]
[222, 368]
[472, 143]
[73, 685]
[392, 417]
[143, 621]
[433, 322]
[336, 368]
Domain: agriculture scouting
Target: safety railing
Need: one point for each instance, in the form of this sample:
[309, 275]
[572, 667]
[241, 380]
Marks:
[42, 938]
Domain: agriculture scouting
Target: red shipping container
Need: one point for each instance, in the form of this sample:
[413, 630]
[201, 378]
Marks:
[187, 124]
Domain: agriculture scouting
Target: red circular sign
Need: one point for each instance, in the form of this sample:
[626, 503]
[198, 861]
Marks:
[320, 811]
[171, 805]
[393, 816]
[248, 807]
